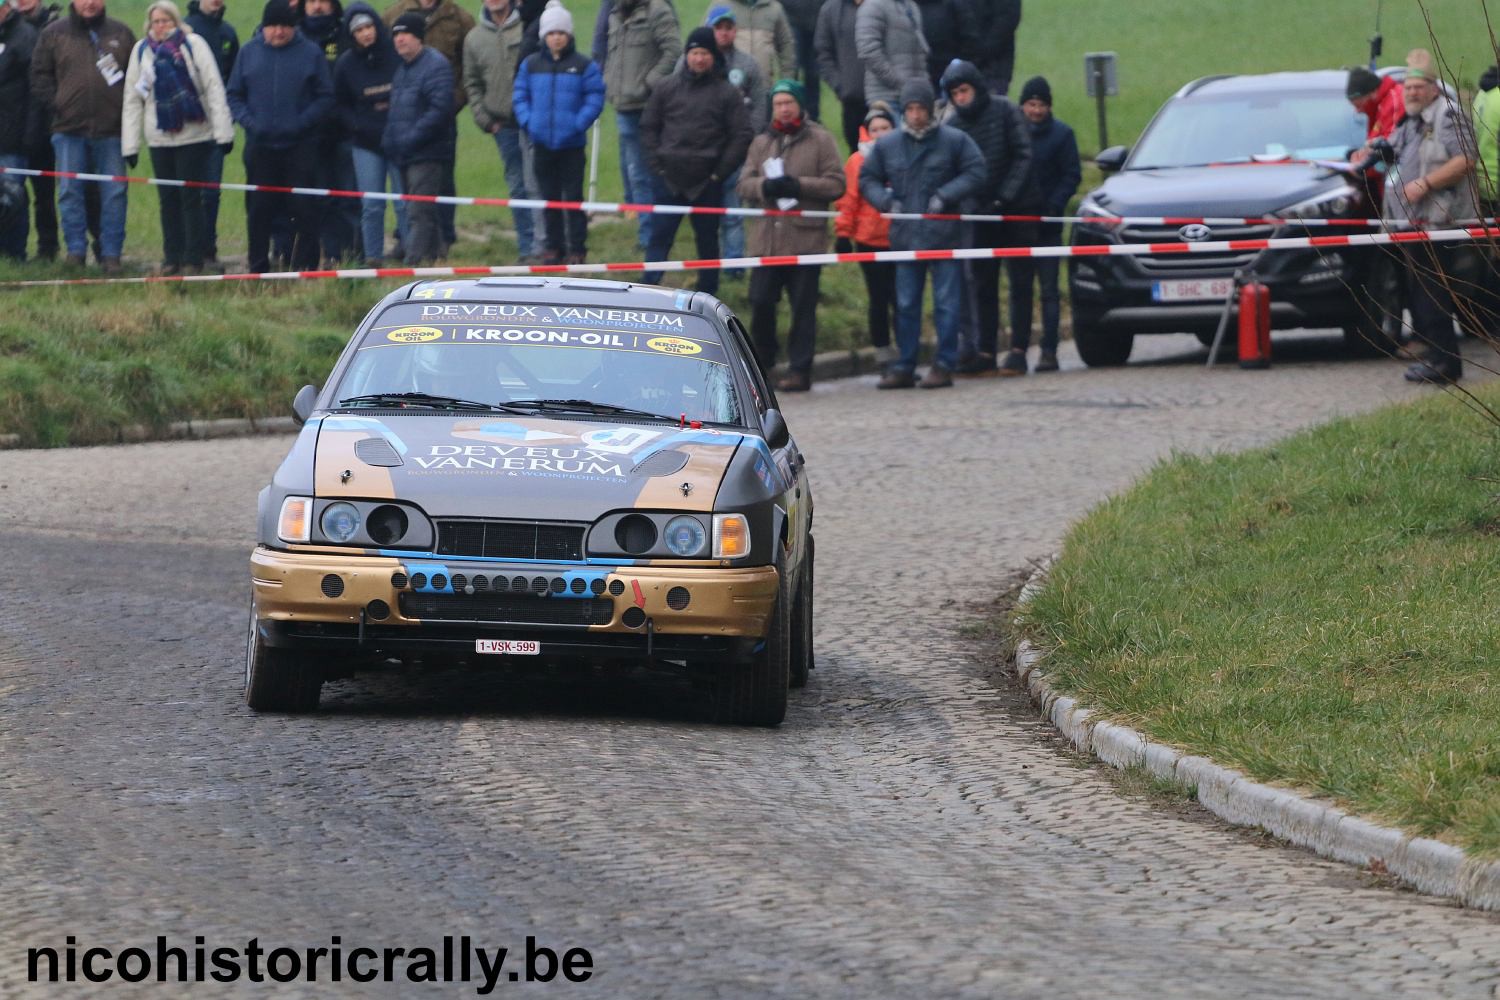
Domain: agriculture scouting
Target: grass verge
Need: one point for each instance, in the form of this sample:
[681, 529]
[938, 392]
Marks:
[1320, 613]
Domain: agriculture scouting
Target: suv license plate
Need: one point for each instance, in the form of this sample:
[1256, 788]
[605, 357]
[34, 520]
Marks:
[1198, 290]
[514, 647]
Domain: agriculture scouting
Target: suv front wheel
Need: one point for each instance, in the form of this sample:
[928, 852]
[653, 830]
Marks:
[1098, 347]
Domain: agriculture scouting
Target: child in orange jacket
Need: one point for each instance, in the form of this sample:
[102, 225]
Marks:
[860, 227]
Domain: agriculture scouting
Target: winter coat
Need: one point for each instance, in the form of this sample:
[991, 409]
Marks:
[995, 49]
[17, 42]
[328, 33]
[558, 100]
[802, 14]
[694, 130]
[1000, 131]
[643, 44]
[1383, 109]
[948, 26]
[447, 26]
[838, 54]
[492, 57]
[419, 127]
[140, 108]
[65, 79]
[744, 72]
[901, 173]
[218, 33]
[362, 84]
[765, 34]
[811, 156]
[858, 220]
[1487, 133]
[888, 37]
[281, 96]
[1055, 167]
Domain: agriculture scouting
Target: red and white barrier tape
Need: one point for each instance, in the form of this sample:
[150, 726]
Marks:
[621, 206]
[891, 256]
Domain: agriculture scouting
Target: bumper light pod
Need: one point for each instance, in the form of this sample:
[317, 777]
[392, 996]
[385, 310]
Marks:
[731, 536]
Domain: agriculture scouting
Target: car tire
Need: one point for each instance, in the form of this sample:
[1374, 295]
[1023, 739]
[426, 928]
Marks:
[802, 626]
[278, 680]
[1100, 348]
[755, 693]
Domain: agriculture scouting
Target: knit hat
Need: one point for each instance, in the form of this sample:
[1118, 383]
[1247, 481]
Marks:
[1361, 84]
[360, 20]
[918, 90]
[278, 13]
[555, 18]
[791, 87]
[722, 12]
[701, 38]
[880, 109]
[410, 21]
[1037, 87]
[1419, 65]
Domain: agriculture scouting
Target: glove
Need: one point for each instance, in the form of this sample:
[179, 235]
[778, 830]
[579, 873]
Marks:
[781, 187]
[226, 148]
[936, 206]
[843, 245]
[132, 160]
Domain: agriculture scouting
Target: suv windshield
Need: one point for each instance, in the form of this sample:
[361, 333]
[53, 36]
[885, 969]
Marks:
[666, 363]
[1196, 131]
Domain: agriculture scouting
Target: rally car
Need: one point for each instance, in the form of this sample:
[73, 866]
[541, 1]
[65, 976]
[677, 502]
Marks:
[534, 470]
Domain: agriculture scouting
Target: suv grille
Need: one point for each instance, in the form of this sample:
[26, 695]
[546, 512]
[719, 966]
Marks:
[511, 608]
[1192, 265]
[509, 539]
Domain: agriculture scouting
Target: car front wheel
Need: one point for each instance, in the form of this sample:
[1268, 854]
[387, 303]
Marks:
[278, 680]
[1098, 347]
[802, 626]
[754, 693]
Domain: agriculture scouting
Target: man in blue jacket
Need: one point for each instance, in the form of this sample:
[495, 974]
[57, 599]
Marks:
[282, 93]
[419, 133]
[931, 168]
[362, 94]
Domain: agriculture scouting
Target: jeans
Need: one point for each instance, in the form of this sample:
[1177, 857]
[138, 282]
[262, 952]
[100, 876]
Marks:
[424, 238]
[560, 172]
[637, 176]
[80, 154]
[514, 153]
[339, 226]
[372, 170]
[184, 227]
[17, 226]
[44, 199]
[732, 228]
[801, 286]
[705, 231]
[947, 293]
[298, 215]
[1023, 272]
[215, 175]
[447, 212]
[854, 119]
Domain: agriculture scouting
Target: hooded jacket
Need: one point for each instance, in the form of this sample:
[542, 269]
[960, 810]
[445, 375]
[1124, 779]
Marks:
[694, 129]
[995, 46]
[65, 79]
[902, 172]
[1383, 109]
[492, 57]
[643, 45]
[765, 34]
[1000, 131]
[858, 220]
[328, 35]
[888, 37]
[140, 109]
[838, 54]
[283, 95]
[810, 155]
[557, 100]
[17, 42]
[362, 82]
[447, 26]
[1487, 133]
[419, 127]
[218, 33]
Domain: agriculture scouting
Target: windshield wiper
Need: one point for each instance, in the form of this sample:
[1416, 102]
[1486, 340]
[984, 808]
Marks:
[587, 406]
[425, 399]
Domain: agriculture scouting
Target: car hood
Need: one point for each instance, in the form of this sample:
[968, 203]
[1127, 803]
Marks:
[520, 467]
[1234, 190]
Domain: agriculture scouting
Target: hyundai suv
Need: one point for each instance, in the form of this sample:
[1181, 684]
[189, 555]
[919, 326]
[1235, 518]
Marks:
[1237, 147]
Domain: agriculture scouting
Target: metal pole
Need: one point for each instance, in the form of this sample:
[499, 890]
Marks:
[594, 162]
[1099, 98]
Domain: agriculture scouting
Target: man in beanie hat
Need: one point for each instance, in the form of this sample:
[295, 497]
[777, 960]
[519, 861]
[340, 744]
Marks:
[362, 95]
[559, 95]
[765, 34]
[694, 132]
[419, 134]
[806, 175]
[1431, 184]
[281, 92]
[923, 167]
[1378, 98]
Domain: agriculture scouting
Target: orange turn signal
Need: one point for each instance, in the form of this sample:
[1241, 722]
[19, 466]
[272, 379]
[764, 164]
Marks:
[731, 536]
[296, 519]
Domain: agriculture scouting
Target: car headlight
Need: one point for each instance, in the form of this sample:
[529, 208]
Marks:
[731, 536]
[685, 536]
[1328, 205]
[340, 522]
[295, 523]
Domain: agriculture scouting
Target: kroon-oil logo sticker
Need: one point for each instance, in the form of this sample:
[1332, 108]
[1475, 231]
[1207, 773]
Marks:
[414, 334]
[673, 345]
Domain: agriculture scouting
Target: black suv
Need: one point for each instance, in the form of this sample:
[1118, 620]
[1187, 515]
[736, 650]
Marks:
[1227, 146]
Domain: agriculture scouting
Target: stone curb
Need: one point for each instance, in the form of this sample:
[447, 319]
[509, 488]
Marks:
[1427, 865]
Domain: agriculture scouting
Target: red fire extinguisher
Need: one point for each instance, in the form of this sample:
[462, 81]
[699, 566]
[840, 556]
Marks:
[1255, 325]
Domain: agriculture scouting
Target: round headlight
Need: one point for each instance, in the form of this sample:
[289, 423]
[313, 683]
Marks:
[685, 536]
[340, 522]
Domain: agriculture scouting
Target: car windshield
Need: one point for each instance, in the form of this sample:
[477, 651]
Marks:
[1197, 131]
[452, 355]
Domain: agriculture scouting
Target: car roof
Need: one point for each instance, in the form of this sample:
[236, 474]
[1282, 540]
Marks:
[563, 290]
[1309, 81]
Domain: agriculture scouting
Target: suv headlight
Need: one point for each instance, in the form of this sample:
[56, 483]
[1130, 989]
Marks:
[1328, 205]
[1097, 218]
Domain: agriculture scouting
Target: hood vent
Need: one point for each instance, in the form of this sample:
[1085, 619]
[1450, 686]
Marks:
[377, 451]
[661, 463]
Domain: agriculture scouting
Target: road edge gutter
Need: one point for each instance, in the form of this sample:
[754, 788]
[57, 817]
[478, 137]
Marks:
[1427, 865]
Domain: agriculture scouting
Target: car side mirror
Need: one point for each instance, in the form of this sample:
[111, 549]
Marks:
[1111, 160]
[302, 405]
[773, 426]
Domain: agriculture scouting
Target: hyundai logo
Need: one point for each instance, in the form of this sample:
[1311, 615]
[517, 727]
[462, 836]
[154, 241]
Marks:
[1195, 232]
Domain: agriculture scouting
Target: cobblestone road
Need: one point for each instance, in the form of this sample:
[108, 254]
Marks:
[912, 830]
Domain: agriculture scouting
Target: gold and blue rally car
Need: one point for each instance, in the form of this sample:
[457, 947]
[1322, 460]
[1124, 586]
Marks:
[549, 468]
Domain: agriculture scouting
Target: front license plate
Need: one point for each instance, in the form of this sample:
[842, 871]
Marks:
[1193, 290]
[515, 647]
